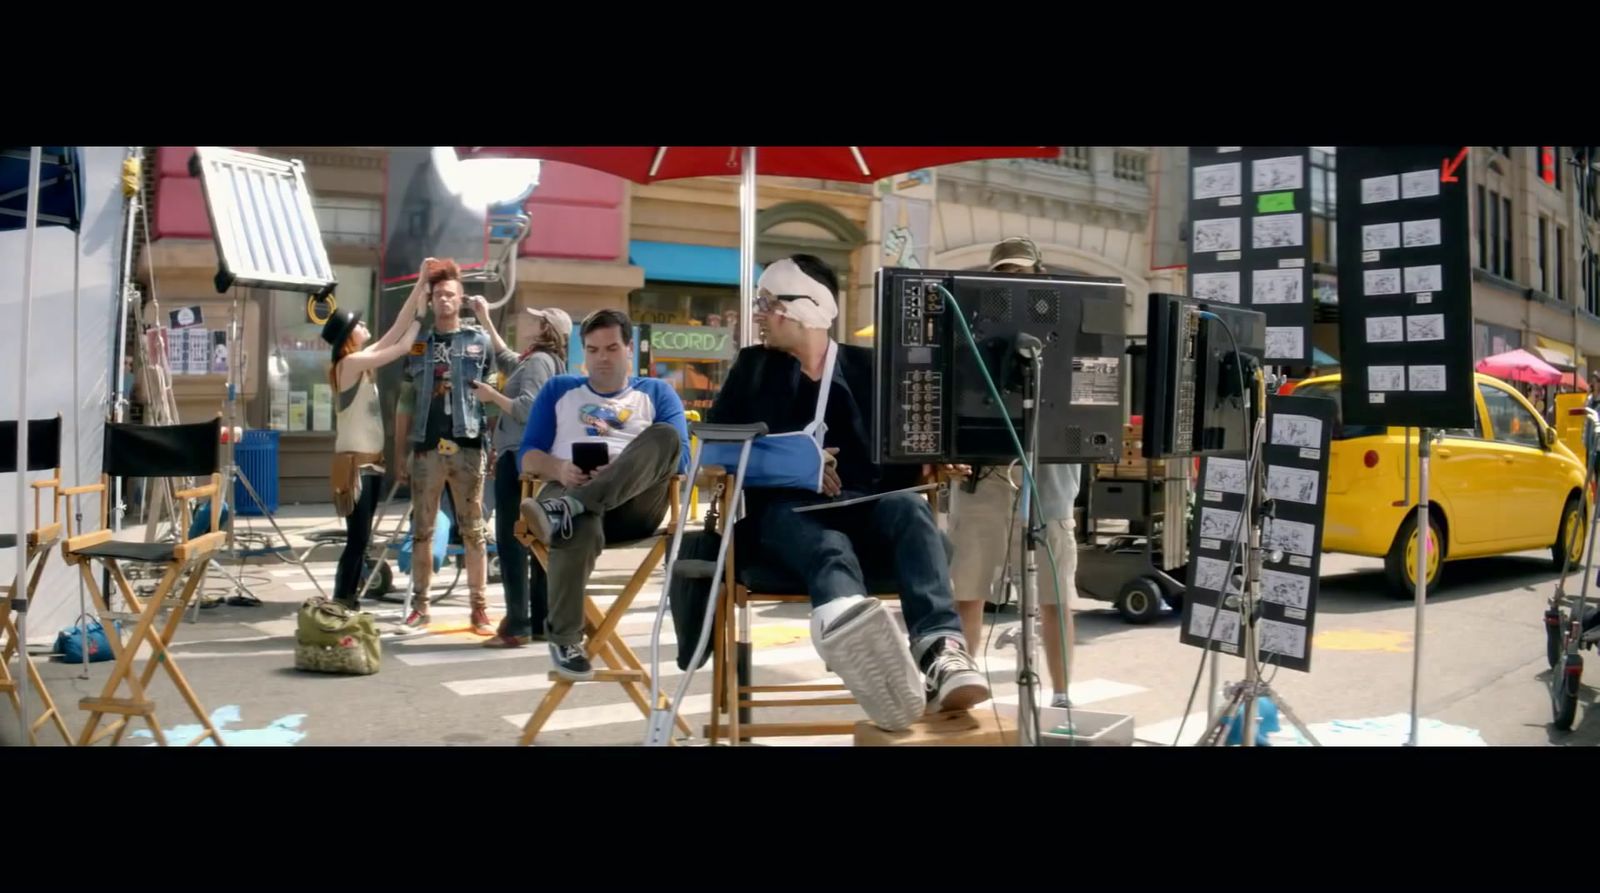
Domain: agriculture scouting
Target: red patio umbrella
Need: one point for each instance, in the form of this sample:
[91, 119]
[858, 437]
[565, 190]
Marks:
[857, 164]
[1519, 365]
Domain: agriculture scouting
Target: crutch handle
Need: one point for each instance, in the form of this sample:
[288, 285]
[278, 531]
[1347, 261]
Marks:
[708, 431]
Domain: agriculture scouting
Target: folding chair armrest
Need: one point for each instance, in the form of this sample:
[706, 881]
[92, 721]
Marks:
[44, 534]
[200, 545]
[40, 485]
[530, 483]
[84, 488]
[84, 541]
[196, 492]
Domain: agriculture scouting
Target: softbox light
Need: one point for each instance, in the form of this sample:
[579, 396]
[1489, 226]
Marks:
[262, 221]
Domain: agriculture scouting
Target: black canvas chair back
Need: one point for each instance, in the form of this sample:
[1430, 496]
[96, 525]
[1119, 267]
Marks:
[158, 451]
[44, 445]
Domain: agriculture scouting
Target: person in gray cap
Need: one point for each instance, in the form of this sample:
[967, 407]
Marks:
[526, 587]
[987, 504]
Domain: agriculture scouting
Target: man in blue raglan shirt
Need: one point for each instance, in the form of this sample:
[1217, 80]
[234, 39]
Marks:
[641, 423]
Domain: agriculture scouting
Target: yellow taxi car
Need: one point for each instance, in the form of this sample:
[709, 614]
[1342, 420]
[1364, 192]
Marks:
[1506, 485]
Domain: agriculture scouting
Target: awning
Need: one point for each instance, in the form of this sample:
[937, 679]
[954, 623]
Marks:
[677, 262]
[1553, 352]
[60, 187]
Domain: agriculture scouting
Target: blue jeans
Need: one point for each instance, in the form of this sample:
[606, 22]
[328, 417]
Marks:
[821, 548]
[527, 592]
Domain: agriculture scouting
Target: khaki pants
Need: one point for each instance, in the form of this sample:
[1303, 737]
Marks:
[430, 471]
[978, 525]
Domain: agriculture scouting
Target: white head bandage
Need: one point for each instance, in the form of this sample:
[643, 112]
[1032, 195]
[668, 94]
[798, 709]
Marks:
[798, 296]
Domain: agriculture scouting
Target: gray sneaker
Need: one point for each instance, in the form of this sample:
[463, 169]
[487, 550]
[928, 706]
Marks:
[546, 518]
[954, 681]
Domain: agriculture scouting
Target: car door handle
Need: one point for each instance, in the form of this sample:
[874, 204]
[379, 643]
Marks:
[1443, 454]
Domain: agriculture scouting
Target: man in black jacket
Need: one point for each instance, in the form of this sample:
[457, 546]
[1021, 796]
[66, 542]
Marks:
[780, 384]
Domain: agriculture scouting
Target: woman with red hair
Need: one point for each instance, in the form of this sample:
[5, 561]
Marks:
[358, 445]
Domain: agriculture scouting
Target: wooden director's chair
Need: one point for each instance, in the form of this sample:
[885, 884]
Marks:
[603, 642]
[44, 454]
[733, 691]
[134, 451]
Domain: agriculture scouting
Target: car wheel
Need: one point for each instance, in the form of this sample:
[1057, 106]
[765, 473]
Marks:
[1568, 548]
[1400, 565]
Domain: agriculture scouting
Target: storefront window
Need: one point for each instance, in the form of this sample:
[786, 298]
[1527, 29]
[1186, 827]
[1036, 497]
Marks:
[693, 359]
[1492, 340]
[300, 399]
[693, 334]
[686, 305]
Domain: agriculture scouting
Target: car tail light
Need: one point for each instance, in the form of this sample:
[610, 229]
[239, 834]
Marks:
[1370, 459]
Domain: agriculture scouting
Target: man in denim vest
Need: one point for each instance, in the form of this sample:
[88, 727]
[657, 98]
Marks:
[439, 431]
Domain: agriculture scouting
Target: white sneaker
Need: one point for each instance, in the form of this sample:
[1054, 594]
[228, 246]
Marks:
[1061, 701]
[857, 638]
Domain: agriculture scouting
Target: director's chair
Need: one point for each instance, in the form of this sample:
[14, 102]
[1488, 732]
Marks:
[748, 579]
[44, 454]
[134, 451]
[600, 627]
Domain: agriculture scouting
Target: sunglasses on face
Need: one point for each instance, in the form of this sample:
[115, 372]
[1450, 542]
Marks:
[768, 303]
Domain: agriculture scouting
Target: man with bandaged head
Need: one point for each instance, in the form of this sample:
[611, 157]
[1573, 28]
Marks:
[779, 383]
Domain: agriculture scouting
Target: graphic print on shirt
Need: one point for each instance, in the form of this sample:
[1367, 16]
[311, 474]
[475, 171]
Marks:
[601, 419]
[441, 367]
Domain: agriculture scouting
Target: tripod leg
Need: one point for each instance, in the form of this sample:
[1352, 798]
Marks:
[1214, 734]
[1288, 713]
[285, 537]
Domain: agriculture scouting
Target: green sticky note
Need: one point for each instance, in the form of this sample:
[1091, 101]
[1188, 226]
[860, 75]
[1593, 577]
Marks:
[1274, 202]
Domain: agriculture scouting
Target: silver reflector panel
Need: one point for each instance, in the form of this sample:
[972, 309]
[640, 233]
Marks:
[263, 223]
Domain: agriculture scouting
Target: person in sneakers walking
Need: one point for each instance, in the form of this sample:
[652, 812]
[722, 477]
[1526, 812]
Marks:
[527, 589]
[985, 508]
[439, 439]
[640, 422]
[782, 383]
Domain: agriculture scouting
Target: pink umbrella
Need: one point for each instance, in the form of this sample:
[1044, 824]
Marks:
[1519, 365]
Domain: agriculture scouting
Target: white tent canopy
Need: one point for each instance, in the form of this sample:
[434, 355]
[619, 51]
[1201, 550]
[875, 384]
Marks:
[49, 377]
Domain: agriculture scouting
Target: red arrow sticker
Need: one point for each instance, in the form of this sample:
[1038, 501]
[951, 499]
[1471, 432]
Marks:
[1447, 170]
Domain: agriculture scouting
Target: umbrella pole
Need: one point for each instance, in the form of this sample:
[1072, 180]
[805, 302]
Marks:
[747, 247]
[19, 595]
[747, 328]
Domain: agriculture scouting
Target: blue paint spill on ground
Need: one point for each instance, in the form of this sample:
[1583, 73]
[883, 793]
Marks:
[1383, 731]
[281, 732]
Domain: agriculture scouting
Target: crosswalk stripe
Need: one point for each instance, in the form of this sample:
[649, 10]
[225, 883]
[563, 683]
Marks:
[769, 657]
[694, 706]
[1089, 691]
[1161, 733]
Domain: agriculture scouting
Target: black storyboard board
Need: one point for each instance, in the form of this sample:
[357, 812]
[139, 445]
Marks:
[1405, 287]
[1295, 456]
[1249, 239]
